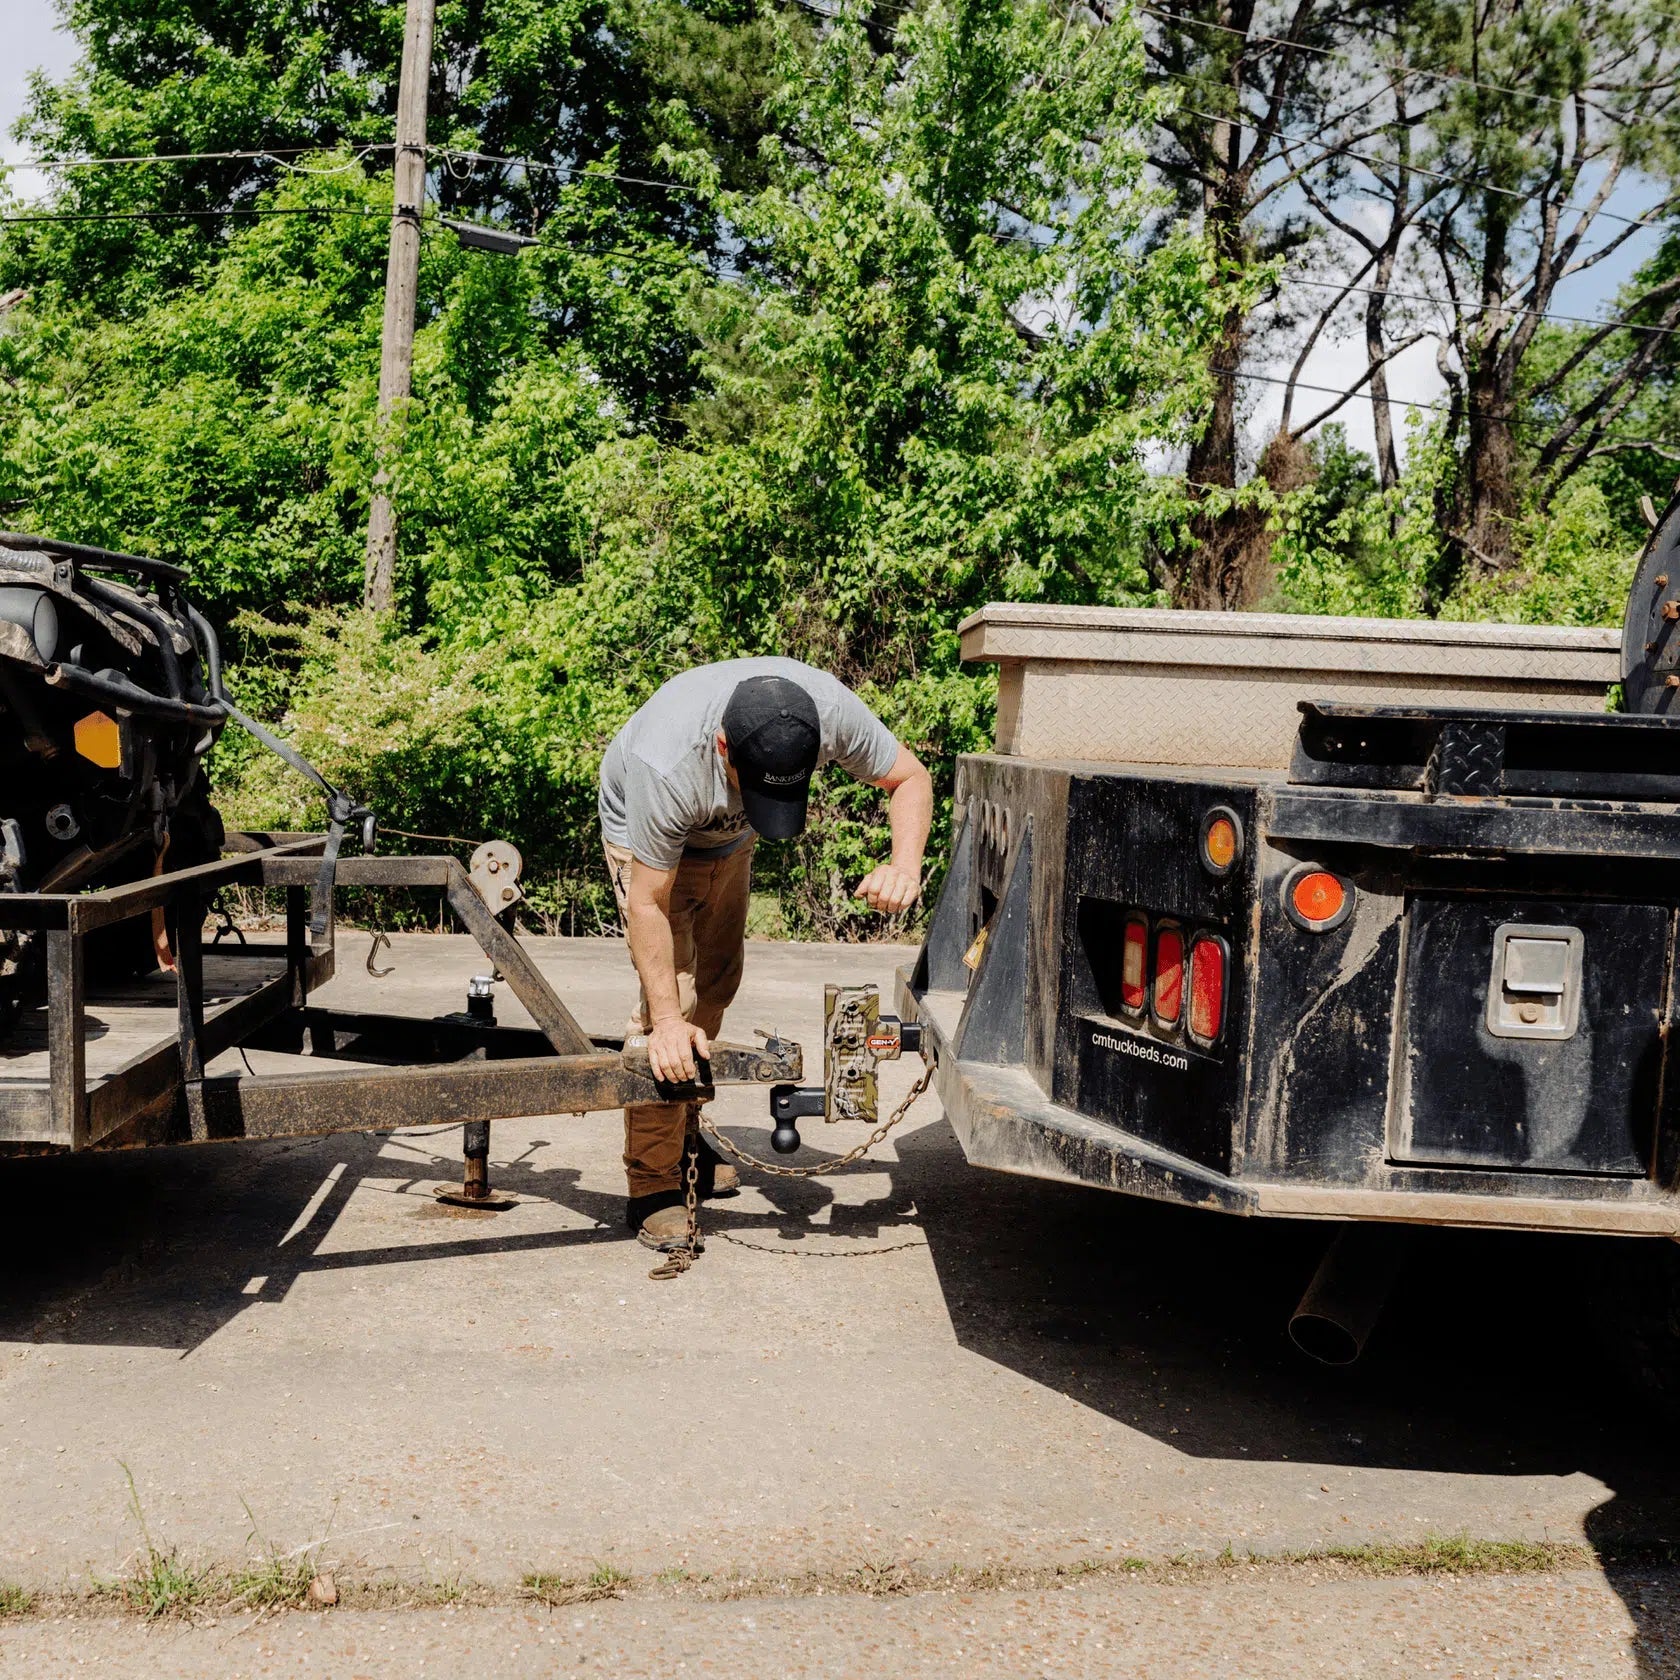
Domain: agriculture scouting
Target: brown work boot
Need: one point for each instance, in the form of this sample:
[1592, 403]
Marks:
[716, 1178]
[666, 1230]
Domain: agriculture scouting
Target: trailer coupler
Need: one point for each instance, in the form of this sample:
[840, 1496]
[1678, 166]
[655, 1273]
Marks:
[857, 1037]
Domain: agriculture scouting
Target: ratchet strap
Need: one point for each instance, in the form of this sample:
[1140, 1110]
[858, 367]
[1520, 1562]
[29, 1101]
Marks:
[342, 811]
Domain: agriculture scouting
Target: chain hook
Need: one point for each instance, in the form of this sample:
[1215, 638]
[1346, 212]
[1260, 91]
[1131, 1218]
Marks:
[379, 938]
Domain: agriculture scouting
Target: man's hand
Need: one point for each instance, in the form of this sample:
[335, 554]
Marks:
[672, 1045]
[889, 888]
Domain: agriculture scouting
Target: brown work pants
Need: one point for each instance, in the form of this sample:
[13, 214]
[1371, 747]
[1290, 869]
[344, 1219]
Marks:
[708, 934]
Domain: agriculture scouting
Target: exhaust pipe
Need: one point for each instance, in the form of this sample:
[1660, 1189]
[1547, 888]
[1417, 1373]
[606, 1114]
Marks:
[33, 612]
[1340, 1308]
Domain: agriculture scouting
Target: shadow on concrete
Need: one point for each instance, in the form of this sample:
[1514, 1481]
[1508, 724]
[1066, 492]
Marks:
[159, 1247]
[1489, 1359]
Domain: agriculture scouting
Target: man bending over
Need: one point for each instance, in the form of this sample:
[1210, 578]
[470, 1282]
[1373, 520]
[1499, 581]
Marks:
[719, 756]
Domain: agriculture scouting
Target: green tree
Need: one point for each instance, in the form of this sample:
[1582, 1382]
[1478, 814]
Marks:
[926, 359]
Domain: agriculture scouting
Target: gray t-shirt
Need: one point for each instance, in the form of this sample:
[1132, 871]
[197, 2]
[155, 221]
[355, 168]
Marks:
[664, 790]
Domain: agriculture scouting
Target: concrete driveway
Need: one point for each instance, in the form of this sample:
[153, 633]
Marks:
[909, 1367]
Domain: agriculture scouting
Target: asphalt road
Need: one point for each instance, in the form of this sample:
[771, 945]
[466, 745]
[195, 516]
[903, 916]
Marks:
[908, 1363]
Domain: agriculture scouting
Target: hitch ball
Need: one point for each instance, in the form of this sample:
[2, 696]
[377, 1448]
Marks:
[787, 1104]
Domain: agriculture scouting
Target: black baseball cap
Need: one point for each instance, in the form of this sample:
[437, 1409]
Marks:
[774, 737]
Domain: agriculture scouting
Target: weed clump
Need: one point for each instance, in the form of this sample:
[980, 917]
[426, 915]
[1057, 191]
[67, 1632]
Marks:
[604, 1581]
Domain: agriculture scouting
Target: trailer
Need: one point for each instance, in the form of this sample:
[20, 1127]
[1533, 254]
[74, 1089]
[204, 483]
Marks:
[123, 1063]
[1345, 920]
[114, 1004]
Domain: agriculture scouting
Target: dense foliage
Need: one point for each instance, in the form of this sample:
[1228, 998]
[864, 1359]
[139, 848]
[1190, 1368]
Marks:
[885, 345]
[837, 325]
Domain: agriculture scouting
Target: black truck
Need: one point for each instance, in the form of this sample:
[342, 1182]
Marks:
[1423, 972]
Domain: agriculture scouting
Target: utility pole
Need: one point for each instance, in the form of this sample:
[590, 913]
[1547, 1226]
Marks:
[402, 282]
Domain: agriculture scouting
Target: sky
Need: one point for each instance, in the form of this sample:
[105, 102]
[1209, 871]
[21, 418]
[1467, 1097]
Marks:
[33, 40]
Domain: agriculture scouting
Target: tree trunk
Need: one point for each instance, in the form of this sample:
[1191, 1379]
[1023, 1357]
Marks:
[1207, 580]
[1382, 415]
[1486, 509]
[1232, 570]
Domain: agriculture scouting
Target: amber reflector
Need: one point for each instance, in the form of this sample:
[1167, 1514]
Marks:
[1169, 975]
[1207, 989]
[1319, 896]
[99, 740]
[1134, 961]
[1220, 844]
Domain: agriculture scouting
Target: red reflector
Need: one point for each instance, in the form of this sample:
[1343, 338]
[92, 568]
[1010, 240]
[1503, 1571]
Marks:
[1207, 989]
[1169, 975]
[1318, 897]
[1134, 962]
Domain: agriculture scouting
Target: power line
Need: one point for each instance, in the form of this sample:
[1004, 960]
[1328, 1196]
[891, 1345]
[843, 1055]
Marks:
[47, 165]
[1512, 420]
[1328, 150]
[1481, 308]
[184, 215]
[573, 171]
[277, 153]
[1331, 52]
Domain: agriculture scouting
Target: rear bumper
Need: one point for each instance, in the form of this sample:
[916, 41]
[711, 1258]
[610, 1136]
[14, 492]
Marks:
[1005, 1123]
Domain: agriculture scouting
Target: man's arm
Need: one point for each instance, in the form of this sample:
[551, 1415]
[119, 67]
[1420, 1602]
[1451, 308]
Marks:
[673, 1042]
[896, 885]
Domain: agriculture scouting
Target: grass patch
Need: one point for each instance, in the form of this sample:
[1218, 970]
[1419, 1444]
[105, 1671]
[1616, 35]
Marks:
[1457, 1554]
[272, 1583]
[881, 1580]
[604, 1581]
[160, 1584]
[277, 1580]
[15, 1601]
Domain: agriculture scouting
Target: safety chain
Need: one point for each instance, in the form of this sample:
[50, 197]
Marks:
[778, 1171]
[680, 1259]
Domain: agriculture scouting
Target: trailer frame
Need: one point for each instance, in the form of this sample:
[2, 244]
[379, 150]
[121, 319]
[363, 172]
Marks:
[401, 1071]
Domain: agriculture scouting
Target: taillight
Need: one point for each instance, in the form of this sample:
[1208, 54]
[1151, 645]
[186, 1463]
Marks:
[1168, 1001]
[1134, 966]
[1315, 899]
[1207, 988]
[1222, 840]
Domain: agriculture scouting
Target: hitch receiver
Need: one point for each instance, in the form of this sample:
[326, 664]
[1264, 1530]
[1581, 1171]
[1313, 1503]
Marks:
[857, 1037]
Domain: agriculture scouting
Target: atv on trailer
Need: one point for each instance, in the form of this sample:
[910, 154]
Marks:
[112, 1004]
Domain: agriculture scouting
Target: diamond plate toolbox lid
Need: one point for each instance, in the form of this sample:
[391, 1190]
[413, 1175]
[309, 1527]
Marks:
[1148, 686]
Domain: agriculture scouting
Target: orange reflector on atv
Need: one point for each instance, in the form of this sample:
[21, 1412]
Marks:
[1207, 989]
[1168, 1001]
[1134, 966]
[99, 740]
[1316, 900]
